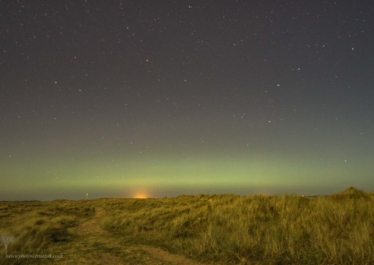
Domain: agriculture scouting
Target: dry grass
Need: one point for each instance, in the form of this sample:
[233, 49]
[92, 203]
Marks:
[230, 229]
[40, 227]
[217, 229]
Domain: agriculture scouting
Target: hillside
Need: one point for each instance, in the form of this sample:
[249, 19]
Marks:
[202, 229]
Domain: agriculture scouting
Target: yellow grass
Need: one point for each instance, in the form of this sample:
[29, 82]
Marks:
[211, 229]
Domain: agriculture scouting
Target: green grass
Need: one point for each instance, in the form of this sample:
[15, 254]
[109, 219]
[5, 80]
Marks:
[215, 229]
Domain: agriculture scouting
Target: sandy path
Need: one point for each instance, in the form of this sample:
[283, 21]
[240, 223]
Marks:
[166, 256]
[91, 232]
[92, 226]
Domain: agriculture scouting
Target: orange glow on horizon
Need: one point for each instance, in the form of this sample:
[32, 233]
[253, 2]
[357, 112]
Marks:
[140, 195]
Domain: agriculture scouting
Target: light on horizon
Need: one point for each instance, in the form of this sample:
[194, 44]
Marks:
[141, 195]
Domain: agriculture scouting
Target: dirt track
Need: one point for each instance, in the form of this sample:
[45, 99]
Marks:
[109, 249]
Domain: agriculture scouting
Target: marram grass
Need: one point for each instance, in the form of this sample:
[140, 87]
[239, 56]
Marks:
[211, 229]
[230, 229]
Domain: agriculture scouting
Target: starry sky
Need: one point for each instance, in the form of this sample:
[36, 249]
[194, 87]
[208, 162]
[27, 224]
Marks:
[149, 98]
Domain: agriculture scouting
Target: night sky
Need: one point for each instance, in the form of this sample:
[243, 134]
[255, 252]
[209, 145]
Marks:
[161, 98]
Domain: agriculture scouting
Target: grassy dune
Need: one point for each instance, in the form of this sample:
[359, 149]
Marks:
[39, 227]
[286, 229]
[211, 229]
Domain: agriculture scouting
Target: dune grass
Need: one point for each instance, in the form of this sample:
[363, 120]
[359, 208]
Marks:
[39, 226]
[215, 229]
[230, 229]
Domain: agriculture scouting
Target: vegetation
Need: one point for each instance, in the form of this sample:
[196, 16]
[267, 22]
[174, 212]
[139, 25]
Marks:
[210, 229]
[38, 227]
